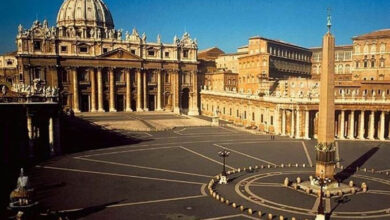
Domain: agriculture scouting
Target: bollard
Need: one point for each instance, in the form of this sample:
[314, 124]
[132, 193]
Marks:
[293, 218]
[234, 205]
[372, 170]
[303, 165]
[298, 180]
[227, 202]
[217, 197]
[238, 170]
[365, 170]
[262, 166]
[387, 173]
[269, 166]
[327, 194]
[342, 167]
[242, 208]
[250, 212]
[296, 165]
[256, 167]
[286, 182]
[364, 187]
[351, 183]
[289, 165]
[311, 178]
[281, 217]
[222, 199]
[270, 217]
[259, 213]
[282, 165]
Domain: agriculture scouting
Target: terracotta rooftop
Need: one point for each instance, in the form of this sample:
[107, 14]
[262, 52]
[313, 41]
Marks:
[374, 34]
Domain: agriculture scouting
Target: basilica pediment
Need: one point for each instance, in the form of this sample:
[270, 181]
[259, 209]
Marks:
[121, 54]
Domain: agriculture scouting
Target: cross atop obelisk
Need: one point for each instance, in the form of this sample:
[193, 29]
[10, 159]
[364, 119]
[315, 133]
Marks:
[325, 149]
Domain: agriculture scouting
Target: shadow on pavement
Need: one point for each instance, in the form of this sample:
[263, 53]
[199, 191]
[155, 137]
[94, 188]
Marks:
[77, 214]
[351, 169]
[79, 135]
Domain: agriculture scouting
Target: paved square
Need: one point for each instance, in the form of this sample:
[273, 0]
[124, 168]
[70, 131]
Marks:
[164, 176]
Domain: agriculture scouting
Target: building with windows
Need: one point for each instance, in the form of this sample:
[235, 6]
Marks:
[99, 68]
[288, 104]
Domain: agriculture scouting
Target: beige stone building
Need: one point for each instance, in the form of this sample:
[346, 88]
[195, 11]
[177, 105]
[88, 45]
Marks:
[100, 68]
[290, 105]
[8, 66]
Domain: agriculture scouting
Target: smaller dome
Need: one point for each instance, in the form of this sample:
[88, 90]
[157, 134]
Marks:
[84, 13]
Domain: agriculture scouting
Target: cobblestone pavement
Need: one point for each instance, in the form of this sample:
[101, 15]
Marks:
[165, 175]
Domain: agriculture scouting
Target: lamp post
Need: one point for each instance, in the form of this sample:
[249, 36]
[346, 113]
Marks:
[223, 153]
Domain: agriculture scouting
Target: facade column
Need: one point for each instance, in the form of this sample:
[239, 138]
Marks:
[176, 91]
[307, 123]
[76, 107]
[93, 90]
[159, 90]
[382, 126]
[112, 90]
[351, 129]
[30, 134]
[193, 108]
[342, 125]
[100, 90]
[145, 76]
[298, 133]
[51, 135]
[292, 130]
[128, 91]
[361, 125]
[371, 126]
[284, 122]
[139, 91]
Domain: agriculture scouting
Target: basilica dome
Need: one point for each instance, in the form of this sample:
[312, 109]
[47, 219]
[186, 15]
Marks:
[84, 13]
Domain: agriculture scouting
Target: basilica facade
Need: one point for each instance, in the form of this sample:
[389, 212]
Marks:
[98, 68]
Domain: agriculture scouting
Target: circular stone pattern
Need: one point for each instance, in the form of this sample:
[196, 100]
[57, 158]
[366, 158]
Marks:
[262, 190]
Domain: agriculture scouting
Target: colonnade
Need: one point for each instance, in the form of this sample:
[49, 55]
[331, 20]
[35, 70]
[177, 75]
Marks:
[349, 124]
[97, 92]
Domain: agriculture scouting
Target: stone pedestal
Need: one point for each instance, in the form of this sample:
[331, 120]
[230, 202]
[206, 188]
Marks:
[320, 217]
[325, 163]
[215, 121]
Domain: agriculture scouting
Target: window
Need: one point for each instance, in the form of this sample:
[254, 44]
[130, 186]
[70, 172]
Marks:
[37, 45]
[37, 73]
[119, 77]
[64, 49]
[132, 51]
[21, 77]
[166, 78]
[372, 63]
[238, 113]
[261, 118]
[223, 110]
[166, 54]
[105, 50]
[230, 112]
[365, 64]
[185, 53]
[244, 114]
[382, 63]
[151, 53]
[9, 62]
[272, 120]
[84, 76]
[83, 49]
[383, 47]
[357, 64]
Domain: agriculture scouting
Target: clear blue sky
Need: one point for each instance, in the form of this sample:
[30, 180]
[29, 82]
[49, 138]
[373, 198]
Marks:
[224, 23]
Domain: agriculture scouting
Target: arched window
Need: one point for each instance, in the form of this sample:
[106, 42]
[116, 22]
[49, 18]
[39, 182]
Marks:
[357, 49]
[373, 48]
[347, 68]
[340, 69]
[383, 47]
[366, 49]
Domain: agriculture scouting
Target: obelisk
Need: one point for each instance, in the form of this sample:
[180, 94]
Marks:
[325, 148]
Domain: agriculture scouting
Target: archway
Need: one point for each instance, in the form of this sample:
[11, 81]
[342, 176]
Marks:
[185, 100]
